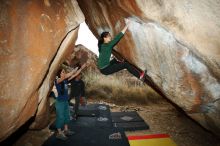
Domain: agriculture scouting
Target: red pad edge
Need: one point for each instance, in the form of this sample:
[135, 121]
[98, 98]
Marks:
[148, 136]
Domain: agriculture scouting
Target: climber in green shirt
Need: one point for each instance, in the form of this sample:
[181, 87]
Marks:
[107, 66]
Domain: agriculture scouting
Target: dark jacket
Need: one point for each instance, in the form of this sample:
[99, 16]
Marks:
[77, 88]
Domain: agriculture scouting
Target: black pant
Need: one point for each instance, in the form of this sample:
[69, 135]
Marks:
[116, 66]
[76, 109]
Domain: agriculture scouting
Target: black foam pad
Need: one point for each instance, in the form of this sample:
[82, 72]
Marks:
[131, 126]
[91, 137]
[126, 117]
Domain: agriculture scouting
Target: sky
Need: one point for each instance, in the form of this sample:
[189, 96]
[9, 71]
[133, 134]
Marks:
[86, 38]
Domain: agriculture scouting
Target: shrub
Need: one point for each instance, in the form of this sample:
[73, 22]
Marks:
[119, 88]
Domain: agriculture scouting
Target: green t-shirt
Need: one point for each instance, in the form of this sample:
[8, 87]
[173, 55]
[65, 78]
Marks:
[106, 50]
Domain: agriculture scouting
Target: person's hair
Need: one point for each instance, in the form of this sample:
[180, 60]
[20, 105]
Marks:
[101, 39]
[62, 83]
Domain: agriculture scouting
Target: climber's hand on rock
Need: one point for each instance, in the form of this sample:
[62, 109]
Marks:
[127, 21]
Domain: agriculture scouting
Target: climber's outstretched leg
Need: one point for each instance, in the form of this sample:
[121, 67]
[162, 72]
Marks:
[116, 66]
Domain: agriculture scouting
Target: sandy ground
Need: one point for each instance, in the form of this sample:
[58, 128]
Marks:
[166, 119]
[162, 118]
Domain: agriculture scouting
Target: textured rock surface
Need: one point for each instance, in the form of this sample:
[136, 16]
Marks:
[34, 39]
[82, 55]
[176, 41]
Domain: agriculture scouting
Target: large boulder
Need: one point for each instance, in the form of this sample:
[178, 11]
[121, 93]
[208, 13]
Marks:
[82, 55]
[176, 41]
[35, 38]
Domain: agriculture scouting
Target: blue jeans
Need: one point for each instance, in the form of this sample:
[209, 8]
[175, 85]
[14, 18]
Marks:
[62, 113]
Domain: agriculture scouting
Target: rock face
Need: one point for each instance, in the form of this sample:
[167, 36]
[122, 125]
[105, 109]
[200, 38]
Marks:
[35, 38]
[176, 41]
[82, 55]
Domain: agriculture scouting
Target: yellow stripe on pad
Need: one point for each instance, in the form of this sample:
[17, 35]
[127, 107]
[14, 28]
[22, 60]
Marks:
[151, 140]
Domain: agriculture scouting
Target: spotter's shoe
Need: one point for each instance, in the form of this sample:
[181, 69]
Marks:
[68, 133]
[61, 136]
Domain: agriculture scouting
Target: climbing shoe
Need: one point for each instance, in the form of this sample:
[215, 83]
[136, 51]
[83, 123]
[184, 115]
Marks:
[61, 136]
[68, 132]
[143, 75]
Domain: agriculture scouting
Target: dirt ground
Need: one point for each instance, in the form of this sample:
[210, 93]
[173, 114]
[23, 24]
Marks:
[162, 118]
[166, 119]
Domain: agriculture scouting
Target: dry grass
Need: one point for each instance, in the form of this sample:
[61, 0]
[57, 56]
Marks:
[119, 88]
